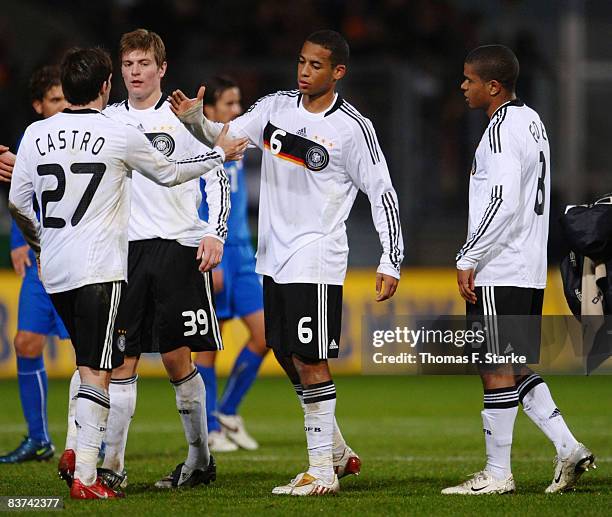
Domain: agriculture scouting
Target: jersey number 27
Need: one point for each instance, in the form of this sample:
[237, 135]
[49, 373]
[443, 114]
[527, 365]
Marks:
[53, 196]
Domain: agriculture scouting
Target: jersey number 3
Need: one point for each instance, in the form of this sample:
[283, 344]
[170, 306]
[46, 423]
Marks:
[53, 196]
[541, 193]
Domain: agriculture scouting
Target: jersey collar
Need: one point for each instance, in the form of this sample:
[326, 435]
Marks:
[513, 102]
[79, 111]
[334, 106]
[158, 105]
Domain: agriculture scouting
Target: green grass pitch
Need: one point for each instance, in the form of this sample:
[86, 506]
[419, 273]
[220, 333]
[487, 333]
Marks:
[415, 436]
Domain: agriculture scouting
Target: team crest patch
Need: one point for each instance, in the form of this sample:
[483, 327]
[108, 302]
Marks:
[121, 343]
[163, 142]
[317, 158]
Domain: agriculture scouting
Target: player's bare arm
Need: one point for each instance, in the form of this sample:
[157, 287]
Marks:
[20, 257]
[386, 285]
[465, 282]
[7, 161]
[210, 253]
[27, 226]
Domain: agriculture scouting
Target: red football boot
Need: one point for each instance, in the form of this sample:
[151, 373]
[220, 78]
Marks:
[347, 464]
[96, 491]
[65, 467]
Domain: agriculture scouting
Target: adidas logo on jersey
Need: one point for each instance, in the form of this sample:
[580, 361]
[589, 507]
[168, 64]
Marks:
[508, 349]
[302, 132]
[333, 345]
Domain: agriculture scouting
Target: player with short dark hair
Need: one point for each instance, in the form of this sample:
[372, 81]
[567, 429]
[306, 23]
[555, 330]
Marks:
[77, 164]
[502, 268]
[318, 152]
[36, 316]
[82, 73]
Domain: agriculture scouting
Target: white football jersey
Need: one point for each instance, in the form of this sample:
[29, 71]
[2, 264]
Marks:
[172, 214]
[76, 163]
[509, 201]
[313, 166]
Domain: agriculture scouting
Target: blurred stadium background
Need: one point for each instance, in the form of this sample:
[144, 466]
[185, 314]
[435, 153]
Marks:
[404, 74]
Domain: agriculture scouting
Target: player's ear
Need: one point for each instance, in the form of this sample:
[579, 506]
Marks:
[494, 87]
[339, 72]
[37, 105]
[162, 69]
[106, 85]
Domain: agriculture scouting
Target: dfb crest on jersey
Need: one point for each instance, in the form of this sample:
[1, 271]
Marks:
[473, 171]
[163, 142]
[317, 158]
[121, 343]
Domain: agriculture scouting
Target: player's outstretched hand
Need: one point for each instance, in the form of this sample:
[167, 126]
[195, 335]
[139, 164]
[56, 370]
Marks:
[182, 106]
[21, 259]
[232, 147]
[465, 281]
[386, 286]
[7, 162]
[210, 253]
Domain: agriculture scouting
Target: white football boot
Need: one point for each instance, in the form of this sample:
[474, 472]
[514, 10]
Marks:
[304, 484]
[236, 432]
[482, 483]
[348, 463]
[219, 442]
[568, 470]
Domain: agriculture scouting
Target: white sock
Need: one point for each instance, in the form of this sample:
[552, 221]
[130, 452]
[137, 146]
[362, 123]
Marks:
[498, 415]
[191, 405]
[320, 405]
[123, 403]
[92, 408]
[339, 444]
[71, 432]
[539, 405]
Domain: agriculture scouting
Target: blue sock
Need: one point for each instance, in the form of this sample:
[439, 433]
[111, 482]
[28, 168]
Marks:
[32, 379]
[240, 380]
[210, 383]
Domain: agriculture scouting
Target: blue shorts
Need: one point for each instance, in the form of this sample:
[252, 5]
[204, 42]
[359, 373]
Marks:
[242, 292]
[36, 312]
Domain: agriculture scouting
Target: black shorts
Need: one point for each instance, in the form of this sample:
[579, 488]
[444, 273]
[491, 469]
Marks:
[511, 318]
[168, 302]
[89, 315]
[303, 319]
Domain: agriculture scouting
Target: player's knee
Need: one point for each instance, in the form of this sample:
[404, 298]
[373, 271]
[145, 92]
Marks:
[206, 359]
[29, 344]
[310, 370]
[258, 346]
[127, 369]
[178, 363]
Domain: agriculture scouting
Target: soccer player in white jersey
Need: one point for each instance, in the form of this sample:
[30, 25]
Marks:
[501, 269]
[167, 305]
[76, 163]
[318, 151]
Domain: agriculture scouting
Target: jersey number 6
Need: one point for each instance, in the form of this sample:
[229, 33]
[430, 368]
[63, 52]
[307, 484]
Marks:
[275, 143]
[55, 195]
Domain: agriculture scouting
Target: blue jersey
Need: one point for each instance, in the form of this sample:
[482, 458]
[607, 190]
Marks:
[238, 222]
